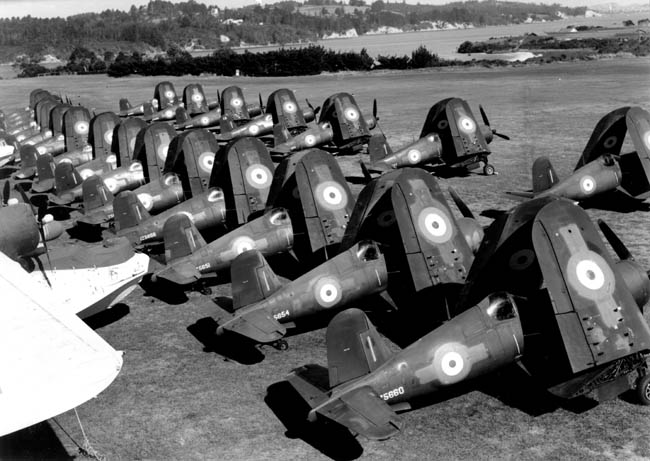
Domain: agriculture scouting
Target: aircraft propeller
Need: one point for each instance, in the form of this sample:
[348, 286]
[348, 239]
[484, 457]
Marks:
[316, 110]
[487, 123]
[6, 191]
[617, 244]
[460, 204]
[262, 108]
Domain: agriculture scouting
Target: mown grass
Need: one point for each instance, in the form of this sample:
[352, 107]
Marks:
[176, 399]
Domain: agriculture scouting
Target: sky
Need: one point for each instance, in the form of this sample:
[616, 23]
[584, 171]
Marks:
[53, 8]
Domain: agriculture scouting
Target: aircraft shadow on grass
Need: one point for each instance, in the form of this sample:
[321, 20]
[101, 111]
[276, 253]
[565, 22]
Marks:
[86, 233]
[292, 410]
[231, 347]
[34, 442]
[108, 316]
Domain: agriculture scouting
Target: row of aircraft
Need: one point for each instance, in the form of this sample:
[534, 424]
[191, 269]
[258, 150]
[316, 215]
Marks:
[229, 188]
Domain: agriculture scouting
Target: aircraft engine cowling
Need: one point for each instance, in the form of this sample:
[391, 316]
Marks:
[472, 232]
[637, 281]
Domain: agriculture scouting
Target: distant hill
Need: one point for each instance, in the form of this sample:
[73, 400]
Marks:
[190, 25]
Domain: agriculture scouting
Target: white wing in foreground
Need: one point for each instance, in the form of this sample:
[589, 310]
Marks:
[50, 360]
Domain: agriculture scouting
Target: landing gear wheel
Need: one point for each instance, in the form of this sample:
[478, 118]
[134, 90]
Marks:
[488, 170]
[280, 345]
[205, 291]
[643, 389]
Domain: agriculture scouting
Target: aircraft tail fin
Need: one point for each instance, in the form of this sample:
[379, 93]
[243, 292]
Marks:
[544, 175]
[280, 134]
[148, 109]
[45, 173]
[129, 211]
[181, 115]
[95, 193]
[66, 178]
[252, 279]
[181, 237]
[354, 348]
[125, 104]
[378, 148]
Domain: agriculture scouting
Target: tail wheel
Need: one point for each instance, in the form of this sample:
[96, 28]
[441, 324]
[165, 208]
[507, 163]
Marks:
[488, 170]
[281, 345]
[643, 389]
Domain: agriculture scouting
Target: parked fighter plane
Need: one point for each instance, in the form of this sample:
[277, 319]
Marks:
[583, 333]
[602, 168]
[188, 256]
[264, 308]
[451, 138]
[56, 361]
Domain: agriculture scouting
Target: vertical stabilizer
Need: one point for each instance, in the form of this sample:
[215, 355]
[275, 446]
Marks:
[129, 211]
[544, 176]
[181, 237]
[252, 279]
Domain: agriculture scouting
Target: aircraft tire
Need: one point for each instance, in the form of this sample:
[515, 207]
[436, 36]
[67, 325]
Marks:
[488, 170]
[643, 389]
[281, 345]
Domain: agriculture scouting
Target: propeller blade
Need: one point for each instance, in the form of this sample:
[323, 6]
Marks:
[219, 98]
[312, 107]
[23, 194]
[6, 191]
[42, 211]
[617, 244]
[484, 115]
[501, 135]
[261, 102]
[374, 109]
[460, 204]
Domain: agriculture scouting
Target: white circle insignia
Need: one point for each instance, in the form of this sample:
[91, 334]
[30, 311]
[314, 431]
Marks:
[588, 184]
[310, 139]
[289, 107]
[81, 127]
[108, 136]
[351, 114]
[414, 156]
[590, 274]
[467, 124]
[331, 195]
[205, 162]
[242, 244]
[169, 94]
[236, 102]
[452, 363]
[146, 200]
[327, 291]
[258, 176]
[162, 151]
[434, 225]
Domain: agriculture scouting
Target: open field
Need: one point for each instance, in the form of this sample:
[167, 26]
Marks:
[176, 398]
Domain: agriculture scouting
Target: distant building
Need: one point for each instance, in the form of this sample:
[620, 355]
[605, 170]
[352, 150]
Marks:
[236, 22]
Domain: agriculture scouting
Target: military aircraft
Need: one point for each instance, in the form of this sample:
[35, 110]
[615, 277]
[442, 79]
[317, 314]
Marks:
[128, 110]
[264, 307]
[602, 168]
[57, 362]
[132, 220]
[244, 170]
[209, 119]
[188, 256]
[341, 125]
[311, 186]
[167, 113]
[427, 253]
[451, 138]
[583, 333]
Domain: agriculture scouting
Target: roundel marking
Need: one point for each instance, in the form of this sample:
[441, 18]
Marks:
[112, 160]
[443, 124]
[386, 218]
[451, 362]
[590, 275]
[41, 150]
[236, 102]
[310, 139]
[466, 124]
[295, 193]
[169, 94]
[646, 139]
[108, 136]
[204, 121]
[414, 156]
[111, 183]
[327, 291]
[215, 196]
[205, 161]
[169, 113]
[81, 127]
[197, 97]
[161, 151]
[132, 144]
[289, 107]
[331, 195]
[351, 114]
[86, 173]
[65, 160]
[610, 142]
[522, 259]
[146, 200]
[434, 225]
[254, 129]
[258, 176]
[241, 244]
[587, 184]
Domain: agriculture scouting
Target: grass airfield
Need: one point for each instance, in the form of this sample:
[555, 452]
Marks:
[182, 395]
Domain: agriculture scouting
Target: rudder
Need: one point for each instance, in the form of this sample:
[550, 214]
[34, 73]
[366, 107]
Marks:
[544, 176]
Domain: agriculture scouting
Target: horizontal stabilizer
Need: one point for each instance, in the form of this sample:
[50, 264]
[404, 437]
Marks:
[257, 325]
[363, 412]
[309, 381]
[180, 273]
